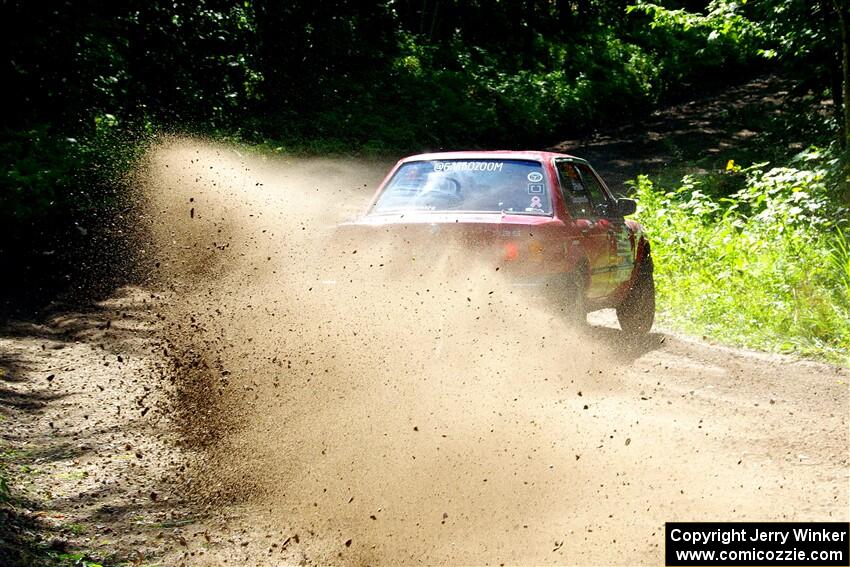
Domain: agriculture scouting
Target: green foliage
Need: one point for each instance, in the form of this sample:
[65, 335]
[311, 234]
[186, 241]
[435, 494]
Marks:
[765, 265]
[477, 100]
[694, 46]
[55, 178]
[840, 259]
[800, 32]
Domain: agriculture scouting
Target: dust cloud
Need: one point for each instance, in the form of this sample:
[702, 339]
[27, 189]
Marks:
[385, 409]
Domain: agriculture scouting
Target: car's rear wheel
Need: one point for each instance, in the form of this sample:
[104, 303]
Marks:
[637, 311]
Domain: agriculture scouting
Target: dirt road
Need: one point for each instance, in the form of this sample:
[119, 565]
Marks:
[270, 399]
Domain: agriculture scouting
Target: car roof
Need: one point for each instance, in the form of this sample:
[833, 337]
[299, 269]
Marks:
[532, 155]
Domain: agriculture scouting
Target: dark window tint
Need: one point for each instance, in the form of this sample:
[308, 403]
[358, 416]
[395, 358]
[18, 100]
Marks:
[594, 189]
[582, 193]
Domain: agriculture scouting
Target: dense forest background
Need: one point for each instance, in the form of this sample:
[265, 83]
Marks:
[89, 83]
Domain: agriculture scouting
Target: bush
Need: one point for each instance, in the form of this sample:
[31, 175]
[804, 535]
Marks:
[767, 265]
[692, 46]
[471, 96]
[61, 199]
[48, 174]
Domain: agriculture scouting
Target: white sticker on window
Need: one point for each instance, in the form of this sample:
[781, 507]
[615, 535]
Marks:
[535, 176]
[468, 166]
[535, 205]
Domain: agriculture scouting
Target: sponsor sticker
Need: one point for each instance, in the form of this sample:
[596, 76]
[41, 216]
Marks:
[468, 166]
[535, 188]
[535, 176]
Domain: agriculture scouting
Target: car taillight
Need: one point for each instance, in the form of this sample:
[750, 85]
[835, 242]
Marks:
[533, 251]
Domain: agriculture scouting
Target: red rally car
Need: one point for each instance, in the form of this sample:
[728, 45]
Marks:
[547, 220]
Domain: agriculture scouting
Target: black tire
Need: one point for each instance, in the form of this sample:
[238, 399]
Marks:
[637, 311]
[573, 302]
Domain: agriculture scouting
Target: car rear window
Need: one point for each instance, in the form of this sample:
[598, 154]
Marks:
[474, 185]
